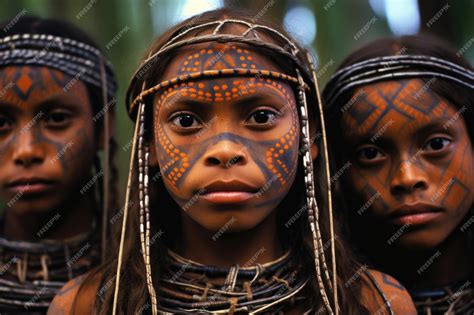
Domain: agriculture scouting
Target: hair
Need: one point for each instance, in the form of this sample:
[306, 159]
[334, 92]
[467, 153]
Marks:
[133, 294]
[30, 24]
[458, 96]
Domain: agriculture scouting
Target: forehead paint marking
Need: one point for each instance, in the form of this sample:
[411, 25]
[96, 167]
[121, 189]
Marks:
[278, 152]
[25, 81]
[220, 56]
[402, 97]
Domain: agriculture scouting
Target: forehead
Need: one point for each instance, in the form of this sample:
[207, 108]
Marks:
[216, 56]
[25, 85]
[401, 103]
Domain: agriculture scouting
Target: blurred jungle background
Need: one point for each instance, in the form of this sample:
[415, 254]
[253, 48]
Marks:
[333, 28]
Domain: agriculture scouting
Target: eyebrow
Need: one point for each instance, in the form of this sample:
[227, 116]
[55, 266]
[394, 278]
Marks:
[46, 104]
[10, 108]
[240, 102]
[423, 129]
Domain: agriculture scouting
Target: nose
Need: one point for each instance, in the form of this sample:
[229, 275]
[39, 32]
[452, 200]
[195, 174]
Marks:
[26, 150]
[409, 177]
[226, 153]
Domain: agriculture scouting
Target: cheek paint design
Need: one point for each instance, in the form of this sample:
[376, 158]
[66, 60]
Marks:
[275, 158]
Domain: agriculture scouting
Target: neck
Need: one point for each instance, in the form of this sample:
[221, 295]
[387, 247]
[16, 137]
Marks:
[258, 245]
[56, 225]
[445, 264]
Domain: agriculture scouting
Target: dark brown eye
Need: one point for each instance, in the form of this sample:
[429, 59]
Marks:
[5, 124]
[264, 116]
[184, 120]
[57, 119]
[437, 144]
[369, 154]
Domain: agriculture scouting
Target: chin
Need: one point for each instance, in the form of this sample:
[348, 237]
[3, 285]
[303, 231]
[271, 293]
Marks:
[421, 240]
[228, 223]
[33, 207]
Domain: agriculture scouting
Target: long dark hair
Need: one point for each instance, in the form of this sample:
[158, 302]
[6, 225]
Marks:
[133, 292]
[457, 95]
[31, 24]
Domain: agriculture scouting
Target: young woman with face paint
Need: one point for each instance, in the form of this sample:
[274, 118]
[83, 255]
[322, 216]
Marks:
[53, 81]
[402, 118]
[219, 198]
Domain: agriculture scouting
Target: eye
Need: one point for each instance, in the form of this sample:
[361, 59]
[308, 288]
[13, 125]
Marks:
[58, 118]
[370, 154]
[5, 124]
[184, 120]
[436, 144]
[263, 117]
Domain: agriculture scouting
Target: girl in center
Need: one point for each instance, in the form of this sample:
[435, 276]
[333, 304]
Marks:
[226, 214]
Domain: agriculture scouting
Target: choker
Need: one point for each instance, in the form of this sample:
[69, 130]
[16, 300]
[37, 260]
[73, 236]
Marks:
[31, 273]
[457, 298]
[190, 287]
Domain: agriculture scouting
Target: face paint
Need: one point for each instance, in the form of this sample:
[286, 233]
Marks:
[412, 162]
[47, 141]
[243, 129]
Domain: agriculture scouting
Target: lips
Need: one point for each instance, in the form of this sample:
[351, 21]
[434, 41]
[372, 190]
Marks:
[29, 185]
[228, 192]
[415, 214]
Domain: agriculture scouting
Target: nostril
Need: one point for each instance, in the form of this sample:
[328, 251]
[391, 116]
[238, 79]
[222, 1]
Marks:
[213, 161]
[419, 185]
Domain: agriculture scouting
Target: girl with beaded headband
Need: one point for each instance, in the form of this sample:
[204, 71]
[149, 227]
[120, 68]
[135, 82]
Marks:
[401, 114]
[56, 101]
[221, 214]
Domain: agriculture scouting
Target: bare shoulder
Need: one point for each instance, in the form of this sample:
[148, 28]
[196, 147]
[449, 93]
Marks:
[395, 294]
[65, 300]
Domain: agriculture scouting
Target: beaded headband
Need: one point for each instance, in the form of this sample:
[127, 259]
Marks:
[67, 55]
[304, 82]
[394, 67]
[79, 60]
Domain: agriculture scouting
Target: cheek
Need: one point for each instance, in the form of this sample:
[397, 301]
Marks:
[457, 181]
[173, 160]
[77, 153]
